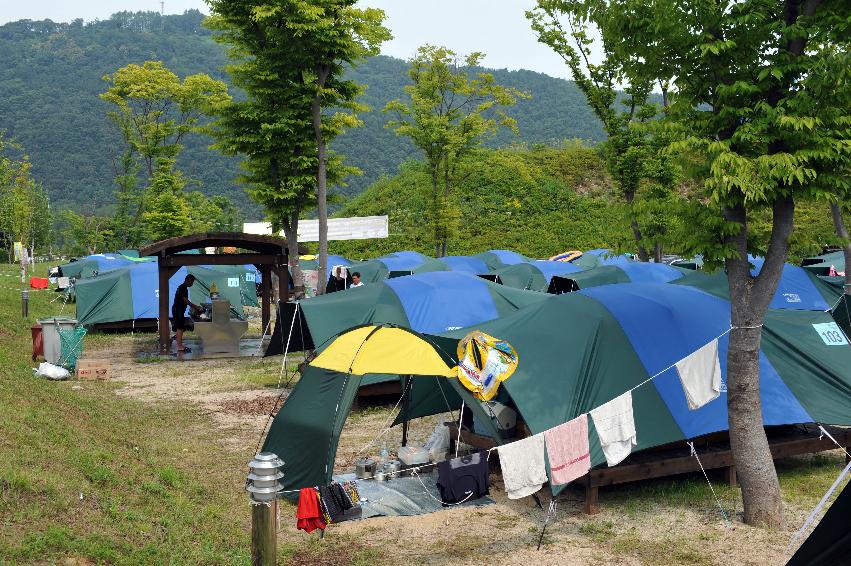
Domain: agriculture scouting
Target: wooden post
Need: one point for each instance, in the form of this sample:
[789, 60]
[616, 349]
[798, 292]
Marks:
[163, 292]
[730, 476]
[266, 274]
[264, 538]
[591, 494]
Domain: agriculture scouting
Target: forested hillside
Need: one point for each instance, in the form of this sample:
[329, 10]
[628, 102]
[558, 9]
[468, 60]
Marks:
[540, 202]
[51, 76]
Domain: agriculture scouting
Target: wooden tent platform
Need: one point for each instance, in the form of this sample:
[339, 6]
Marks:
[672, 459]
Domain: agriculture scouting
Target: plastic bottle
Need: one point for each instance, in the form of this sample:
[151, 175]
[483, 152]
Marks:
[384, 454]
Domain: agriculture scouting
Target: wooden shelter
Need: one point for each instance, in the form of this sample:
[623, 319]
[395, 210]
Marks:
[267, 253]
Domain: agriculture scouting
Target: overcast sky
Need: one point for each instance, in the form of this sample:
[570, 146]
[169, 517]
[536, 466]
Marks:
[496, 27]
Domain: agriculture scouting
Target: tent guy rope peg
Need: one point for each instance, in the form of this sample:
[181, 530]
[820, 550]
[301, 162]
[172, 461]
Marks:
[551, 513]
[712, 489]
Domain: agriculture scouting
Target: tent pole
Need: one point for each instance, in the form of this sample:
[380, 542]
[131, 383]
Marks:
[406, 402]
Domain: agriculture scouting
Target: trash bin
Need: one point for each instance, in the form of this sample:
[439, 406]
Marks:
[50, 336]
[38, 342]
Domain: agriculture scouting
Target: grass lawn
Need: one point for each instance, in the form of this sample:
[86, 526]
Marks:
[90, 474]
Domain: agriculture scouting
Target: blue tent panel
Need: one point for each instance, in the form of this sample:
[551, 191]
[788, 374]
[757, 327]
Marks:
[554, 268]
[795, 291]
[402, 261]
[509, 257]
[641, 272]
[461, 298]
[665, 323]
[144, 284]
[466, 264]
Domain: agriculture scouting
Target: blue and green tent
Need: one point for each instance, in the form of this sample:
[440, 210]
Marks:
[822, 264]
[501, 258]
[623, 272]
[600, 256]
[578, 351]
[533, 275]
[98, 263]
[430, 302]
[131, 294]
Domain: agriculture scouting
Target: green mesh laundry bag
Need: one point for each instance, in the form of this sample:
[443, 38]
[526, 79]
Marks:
[71, 342]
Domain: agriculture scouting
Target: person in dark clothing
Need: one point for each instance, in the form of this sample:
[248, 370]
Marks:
[178, 311]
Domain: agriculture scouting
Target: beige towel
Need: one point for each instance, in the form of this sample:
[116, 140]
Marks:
[616, 428]
[700, 375]
[523, 469]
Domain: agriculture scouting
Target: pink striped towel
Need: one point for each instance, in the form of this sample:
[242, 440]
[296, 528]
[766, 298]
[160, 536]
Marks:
[567, 450]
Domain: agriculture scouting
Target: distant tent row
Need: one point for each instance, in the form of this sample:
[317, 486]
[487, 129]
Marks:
[576, 351]
[131, 293]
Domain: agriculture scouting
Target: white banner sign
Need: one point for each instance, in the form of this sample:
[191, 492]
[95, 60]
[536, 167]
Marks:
[356, 228]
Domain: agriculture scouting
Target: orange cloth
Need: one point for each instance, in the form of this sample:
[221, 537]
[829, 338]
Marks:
[308, 516]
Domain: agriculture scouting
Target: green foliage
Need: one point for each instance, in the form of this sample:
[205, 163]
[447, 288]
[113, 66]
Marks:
[85, 234]
[52, 75]
[634, 150]
[539, 202]
[24, 208]
[447, 116]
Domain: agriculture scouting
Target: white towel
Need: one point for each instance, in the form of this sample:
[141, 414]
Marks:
[616, 428]
[523, 468]
[700, 375]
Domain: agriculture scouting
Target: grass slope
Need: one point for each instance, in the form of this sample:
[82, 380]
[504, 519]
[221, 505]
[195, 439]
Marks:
[539, 202]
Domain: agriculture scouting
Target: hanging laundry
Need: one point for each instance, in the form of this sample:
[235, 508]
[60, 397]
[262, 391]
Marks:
[616, 428]
[463, 479]
[700, 375]
[523, 469]
[567, 450]
[308, 514]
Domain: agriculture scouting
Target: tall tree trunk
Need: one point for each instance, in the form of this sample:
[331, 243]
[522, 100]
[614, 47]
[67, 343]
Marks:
[435, 206]
[445, 209]
[657, 252]
[842, 232]
[291, 233]
[749, 300]
[321, 180]
[636, 230]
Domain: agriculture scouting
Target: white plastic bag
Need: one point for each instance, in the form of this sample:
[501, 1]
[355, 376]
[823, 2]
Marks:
[438, 443]
[52, 372]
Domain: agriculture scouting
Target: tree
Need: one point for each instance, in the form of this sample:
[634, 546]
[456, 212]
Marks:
[290, 56]
[86, 233]
[24, 207]
[154, 111]
[632, 152]
[744, 92]
[329, 36]
[447, 116]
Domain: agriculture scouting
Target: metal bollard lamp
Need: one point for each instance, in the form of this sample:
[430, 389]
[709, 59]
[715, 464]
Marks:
[263, 487]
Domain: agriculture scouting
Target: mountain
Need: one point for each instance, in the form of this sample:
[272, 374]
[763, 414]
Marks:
[51, 76]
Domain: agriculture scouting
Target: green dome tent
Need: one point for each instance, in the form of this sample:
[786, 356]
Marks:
[132, 293]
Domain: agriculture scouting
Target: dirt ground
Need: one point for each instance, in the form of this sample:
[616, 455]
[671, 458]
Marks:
[662, 522]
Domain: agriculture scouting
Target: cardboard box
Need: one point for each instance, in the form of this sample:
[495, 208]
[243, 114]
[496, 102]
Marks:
[93, 369]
